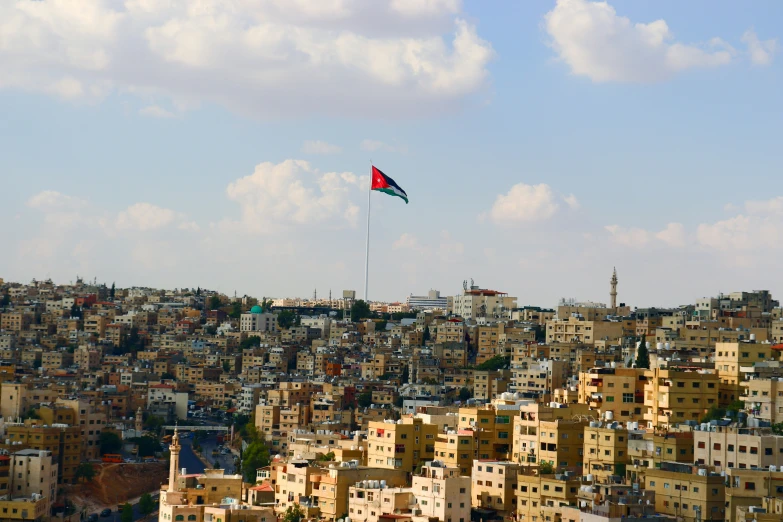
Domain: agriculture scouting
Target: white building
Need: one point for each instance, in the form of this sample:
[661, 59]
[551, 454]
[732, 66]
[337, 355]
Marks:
[431, 301]
[321, 322]
[258, 321]
[475, 303]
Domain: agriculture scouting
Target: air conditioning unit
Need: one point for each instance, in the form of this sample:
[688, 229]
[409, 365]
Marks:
[416, 512]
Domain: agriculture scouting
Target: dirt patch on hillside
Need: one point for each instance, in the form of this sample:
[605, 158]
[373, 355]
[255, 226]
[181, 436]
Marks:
[116, 483]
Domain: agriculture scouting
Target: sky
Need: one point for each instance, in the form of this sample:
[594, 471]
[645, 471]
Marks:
[227, 144]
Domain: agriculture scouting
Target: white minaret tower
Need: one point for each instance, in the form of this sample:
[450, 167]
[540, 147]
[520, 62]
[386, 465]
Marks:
[613, 290]
[174, 462]
[139, 422]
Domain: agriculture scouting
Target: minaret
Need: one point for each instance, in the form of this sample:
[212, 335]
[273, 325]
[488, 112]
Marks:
[174, 461]
[139, 421]
[613, 290]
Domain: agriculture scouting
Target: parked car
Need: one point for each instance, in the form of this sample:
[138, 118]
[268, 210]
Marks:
[106, 513]
[93, 517]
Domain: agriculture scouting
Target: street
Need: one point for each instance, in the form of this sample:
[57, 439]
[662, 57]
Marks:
[208, 444]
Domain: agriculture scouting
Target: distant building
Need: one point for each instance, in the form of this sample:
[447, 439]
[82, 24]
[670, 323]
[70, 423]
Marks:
[431, 301]
[258, 321]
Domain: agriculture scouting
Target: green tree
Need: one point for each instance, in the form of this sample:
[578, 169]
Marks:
[112, 292]
[146, 504]
[147, 445]
[642, 355]
[714, 413]
[85, 471]
[249, 342]
[109, 442]
[168, 375]
[198, 291]
[425, 337]
[405, 377]
[215, 302]
[210, 329]
[236, 310]
[127, 513]
[545, 468]
[293, 514]
[76, 312]
[495, 363]
[226, 367]
[365, 399]
[154, 423]
[360, 310]
[286, 319]
[326, 457]
[5, 300]
[255, 456]
[464, 394]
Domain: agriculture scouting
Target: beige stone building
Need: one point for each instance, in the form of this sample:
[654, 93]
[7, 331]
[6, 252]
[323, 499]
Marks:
[400, 445]
[616, 390]
[729, 358]
[675, 396]
[581, 331]
[492, 485]
[605, 451]
[687, 492]
[726, 447]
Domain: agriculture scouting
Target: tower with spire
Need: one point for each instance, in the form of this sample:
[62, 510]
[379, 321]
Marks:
[174, 449]
[613, 289]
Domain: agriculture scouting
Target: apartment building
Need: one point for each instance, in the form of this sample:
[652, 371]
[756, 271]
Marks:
[763, 398]
[730, 358]
[91, 417]
[727, 447]
[493, 485]
[605, 450]
[581, 331]
[32, 474]
[61, 441]
[538, 378]
[527, 440]
[400, 445]
[542, 497]
[616, 390]
[492, 428]
[676, 396]
[488, 385]
[690, 493]
[749, 487]
[331, 491]
[455, 449]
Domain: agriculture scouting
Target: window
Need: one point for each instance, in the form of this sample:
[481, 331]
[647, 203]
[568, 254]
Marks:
[179, 517]
[627, 397]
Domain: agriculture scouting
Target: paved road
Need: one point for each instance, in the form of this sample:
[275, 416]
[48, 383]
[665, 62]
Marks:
[188, 459]
[225, 462]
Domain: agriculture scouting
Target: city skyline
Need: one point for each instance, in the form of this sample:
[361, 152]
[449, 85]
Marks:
[173, 146]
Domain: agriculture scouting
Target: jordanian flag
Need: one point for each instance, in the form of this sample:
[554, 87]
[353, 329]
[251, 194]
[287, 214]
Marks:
[383, 183]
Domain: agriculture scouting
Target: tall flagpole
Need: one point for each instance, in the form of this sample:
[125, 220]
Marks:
[367, 251]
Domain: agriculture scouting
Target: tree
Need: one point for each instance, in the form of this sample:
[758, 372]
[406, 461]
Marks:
[127, 513]
[494, 364]
[109, 442]
[146, 504]
[168, 375]
[286, 319]
[405, 377]
[154, 423]
[326, 457]
[210, 329]
[464, 394]
[293, 514]
[215, 302]
[5, 300]
[364, 399]
[545, 468]
[255, 456]
[236, 310]
[642, 355]
[425, 337]
[85, 471]
[147, 445]
[76, 312]
[198, 291]
[360, 310]
[111, 292]
[249, 342]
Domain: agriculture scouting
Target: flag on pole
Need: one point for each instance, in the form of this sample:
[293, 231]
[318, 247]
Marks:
[383, 183]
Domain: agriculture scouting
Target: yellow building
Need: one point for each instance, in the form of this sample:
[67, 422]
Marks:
[61, 440]
[616, 390]
[727, 447]
[729, 358]
[676, 396]
[541, 497]
[605, 451]
[330, 488]
[492, 428]
[748, 487]
[492, 485]
[455, 450]
[400, 445]
[527, 449]
[577, 330]
[690, 493]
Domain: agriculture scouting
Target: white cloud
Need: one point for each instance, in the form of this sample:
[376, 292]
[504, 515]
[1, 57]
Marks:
[630, 237]
[761, 52]
[320, 147]
[156, 111]
[406, 242]
[572, 202]
[673, 235]
[51, 200]
[144, 217]
[524, 203]
[773, 206]
[595, 42]
[293, 192]
[264, 58]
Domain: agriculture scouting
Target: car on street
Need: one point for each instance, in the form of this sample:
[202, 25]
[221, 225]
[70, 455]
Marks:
[93, 517]
[106, 513]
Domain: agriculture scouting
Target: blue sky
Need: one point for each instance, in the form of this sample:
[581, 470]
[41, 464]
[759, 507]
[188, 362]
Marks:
[543, 144]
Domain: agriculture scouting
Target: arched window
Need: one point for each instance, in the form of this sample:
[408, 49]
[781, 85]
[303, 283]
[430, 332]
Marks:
[179, 517]
[191, 517]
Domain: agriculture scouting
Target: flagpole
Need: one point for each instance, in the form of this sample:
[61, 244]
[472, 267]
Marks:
[367, 250]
